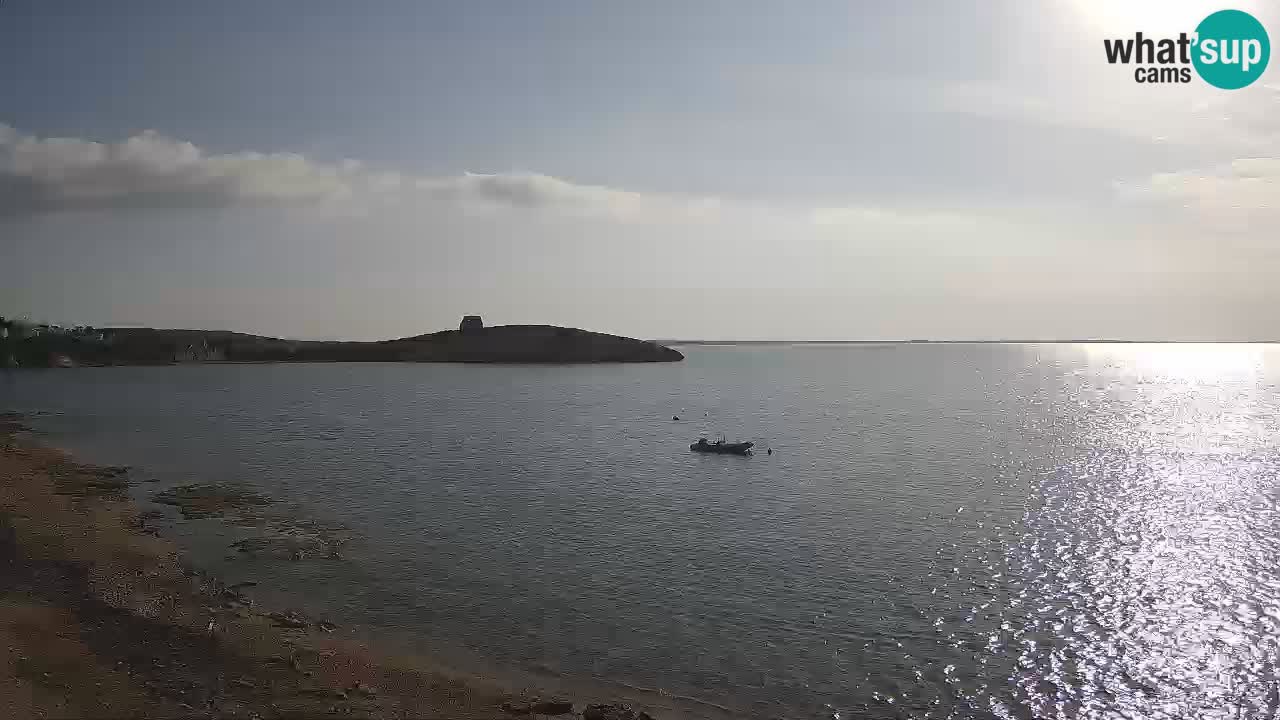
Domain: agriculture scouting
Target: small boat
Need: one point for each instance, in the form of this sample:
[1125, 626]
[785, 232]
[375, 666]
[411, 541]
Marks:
[721, 447]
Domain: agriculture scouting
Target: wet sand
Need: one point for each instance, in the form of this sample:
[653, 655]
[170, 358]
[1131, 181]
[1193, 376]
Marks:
[99, 617]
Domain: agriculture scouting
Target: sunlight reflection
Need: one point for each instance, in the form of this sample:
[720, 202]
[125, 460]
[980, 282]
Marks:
[1150, 585]
[1185, 362]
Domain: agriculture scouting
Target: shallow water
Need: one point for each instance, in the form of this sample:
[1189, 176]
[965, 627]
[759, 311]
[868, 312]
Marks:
[942, 530]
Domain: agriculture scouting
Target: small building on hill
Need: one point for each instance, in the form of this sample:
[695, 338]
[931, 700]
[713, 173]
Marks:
[470, 322]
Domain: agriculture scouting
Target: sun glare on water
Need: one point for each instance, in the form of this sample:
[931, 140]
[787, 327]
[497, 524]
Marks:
[1152, 589]
[1197, 363]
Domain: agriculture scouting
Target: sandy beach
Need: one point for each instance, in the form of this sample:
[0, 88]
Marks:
[99, 617]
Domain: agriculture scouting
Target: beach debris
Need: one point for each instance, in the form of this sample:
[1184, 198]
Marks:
[289, 619]
[91, 480]
[363, 689]
[614, 711]
[204, 500]
[297, 621]
[542, 706]
[291, 544]
[555, 706]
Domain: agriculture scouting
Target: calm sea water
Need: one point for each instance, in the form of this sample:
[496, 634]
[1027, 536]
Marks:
[1080, 531]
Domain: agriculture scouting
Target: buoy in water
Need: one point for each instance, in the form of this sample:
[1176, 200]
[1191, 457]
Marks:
[675, 417]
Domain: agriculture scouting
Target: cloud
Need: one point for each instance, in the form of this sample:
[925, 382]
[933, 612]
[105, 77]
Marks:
[41, 175]
[1245, 184]
[523, 190]
[149, 170]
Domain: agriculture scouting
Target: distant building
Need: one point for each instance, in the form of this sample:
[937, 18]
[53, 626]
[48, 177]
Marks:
[470, 322]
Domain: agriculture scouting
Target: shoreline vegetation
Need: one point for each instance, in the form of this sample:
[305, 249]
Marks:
[47, 346]
[101, 617]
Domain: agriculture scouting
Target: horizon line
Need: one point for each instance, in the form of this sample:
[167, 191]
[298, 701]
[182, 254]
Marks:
[1009, 341]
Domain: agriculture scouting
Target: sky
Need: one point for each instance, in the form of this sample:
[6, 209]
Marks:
[824, 170]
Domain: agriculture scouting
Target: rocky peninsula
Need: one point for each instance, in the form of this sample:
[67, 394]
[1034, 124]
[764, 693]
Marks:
[471, 343]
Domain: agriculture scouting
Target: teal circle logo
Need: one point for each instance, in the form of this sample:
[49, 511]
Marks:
[1232, 49]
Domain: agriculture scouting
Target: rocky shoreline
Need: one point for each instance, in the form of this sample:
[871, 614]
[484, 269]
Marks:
[101, 618]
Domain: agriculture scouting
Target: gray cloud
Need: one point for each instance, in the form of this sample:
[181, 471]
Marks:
[149, 170]
[41, 175]
[524, 190]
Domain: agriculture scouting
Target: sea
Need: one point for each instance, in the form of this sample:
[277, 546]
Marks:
[941, 530]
